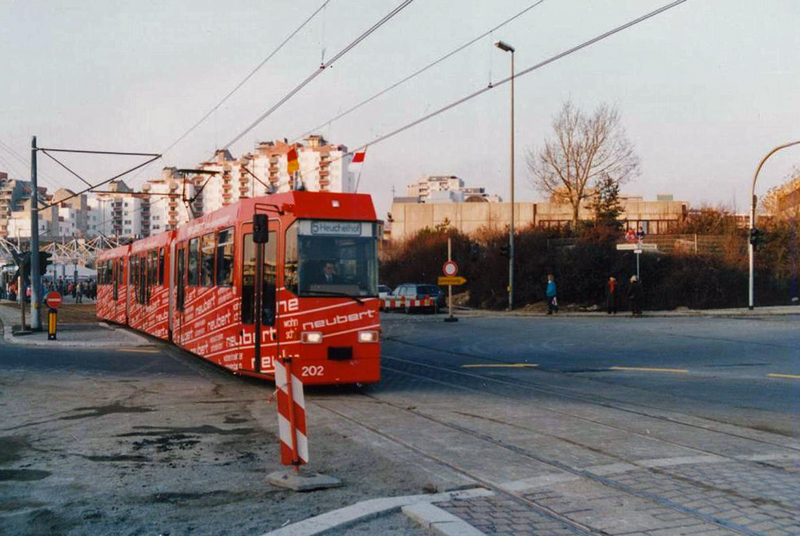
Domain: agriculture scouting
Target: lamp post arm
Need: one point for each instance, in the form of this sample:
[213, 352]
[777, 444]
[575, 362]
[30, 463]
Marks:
[755, 178]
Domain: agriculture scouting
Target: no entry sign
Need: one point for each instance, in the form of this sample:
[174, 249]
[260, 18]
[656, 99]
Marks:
[53, 300]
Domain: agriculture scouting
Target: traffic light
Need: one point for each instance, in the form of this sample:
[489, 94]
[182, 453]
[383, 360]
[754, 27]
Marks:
[23, 261]
[44, 261]
[505, 250]
[757, 237]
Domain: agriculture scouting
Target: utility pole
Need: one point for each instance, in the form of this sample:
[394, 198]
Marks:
[36, 276]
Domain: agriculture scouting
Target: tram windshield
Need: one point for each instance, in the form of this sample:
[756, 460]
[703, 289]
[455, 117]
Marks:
[332, 258]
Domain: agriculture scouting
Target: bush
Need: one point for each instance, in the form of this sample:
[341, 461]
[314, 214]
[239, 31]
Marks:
[583, 261]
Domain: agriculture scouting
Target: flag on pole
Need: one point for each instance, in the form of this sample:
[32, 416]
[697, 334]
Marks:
[358, 158]
[292, 165]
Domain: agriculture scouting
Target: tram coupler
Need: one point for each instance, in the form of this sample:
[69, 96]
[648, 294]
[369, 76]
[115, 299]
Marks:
[52, 324]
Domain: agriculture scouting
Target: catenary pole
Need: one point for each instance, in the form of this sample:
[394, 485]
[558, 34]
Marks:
[36, 277]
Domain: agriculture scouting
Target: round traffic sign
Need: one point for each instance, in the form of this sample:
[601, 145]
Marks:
[450, 268]
[53, 299]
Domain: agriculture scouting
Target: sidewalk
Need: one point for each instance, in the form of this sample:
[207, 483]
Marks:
[77, 335]
[682, 312]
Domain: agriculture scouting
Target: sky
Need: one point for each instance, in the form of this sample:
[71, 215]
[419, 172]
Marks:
[705, 89]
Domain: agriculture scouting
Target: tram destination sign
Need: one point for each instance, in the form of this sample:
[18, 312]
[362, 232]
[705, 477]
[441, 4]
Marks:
[334, 228]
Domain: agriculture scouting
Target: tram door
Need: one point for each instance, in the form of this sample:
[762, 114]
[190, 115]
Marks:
[251, 294]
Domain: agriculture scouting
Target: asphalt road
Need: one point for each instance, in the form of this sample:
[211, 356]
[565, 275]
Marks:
[735, 368]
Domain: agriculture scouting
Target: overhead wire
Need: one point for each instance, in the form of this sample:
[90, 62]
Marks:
[248, 77]
[524, 72]
[419, 71]
[319, 71]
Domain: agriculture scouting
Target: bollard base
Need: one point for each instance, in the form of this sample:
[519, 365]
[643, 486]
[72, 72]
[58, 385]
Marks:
[302, 481]
[451, 319]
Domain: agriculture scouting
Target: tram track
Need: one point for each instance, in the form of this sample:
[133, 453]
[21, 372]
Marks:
[555, 464]
[634, 408]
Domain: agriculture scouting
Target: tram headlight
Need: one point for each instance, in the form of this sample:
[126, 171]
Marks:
[367, 336]
[311, 337]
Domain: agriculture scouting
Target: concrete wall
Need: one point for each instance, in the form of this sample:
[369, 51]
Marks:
[409, 218]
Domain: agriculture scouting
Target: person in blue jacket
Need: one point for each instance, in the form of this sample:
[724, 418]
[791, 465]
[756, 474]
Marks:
[552, 301]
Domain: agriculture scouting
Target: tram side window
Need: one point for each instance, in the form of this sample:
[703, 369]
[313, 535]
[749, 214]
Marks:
[134, 277]
[207, 260]
[152, 272]
[290, 264]
[225, 258]
[114, 271]
[180, 277]
[194, 263]
[248, 278]
[161, 277]
[121, 272]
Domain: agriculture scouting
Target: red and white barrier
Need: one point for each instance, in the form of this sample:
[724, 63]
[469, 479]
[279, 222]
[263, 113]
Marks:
[291, 416]
[402, 303]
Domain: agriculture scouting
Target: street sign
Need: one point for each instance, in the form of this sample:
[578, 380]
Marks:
[450, 269]
[450, 281]
[53, 300]
[637, 247]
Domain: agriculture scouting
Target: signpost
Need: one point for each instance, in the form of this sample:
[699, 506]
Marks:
[450, 269]
[638, 248]
[53, 301]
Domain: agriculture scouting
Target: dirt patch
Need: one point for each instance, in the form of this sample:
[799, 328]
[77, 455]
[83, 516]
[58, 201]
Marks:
[23, 475]
[100, 411]
[205, 429]
[11, 448]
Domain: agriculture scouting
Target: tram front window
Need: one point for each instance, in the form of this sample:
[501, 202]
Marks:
[332, 258]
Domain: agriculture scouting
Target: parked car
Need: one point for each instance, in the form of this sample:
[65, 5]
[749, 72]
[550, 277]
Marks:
[384, 291]
[417, 291]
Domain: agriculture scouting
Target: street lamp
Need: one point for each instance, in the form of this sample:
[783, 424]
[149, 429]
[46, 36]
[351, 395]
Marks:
[752, 246]
[505, 47]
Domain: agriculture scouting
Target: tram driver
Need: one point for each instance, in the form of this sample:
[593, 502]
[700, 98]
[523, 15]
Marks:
[329, 275]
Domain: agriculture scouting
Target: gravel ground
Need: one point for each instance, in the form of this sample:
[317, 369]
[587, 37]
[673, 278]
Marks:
[165, 445]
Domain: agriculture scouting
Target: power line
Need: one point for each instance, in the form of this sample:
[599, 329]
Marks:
[245, 79]
[419, 72]
[528, 70]
[316, 73]
[248, 77]
[52, 182]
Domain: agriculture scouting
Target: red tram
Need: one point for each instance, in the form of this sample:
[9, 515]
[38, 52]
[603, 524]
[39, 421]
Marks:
[310, 289]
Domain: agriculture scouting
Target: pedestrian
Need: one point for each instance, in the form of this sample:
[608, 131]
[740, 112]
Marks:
[551, 292]
[79, 292]
[611, 296]
[640, 234]
[635, 296]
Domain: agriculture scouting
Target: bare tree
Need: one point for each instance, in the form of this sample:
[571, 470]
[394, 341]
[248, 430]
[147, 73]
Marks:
[586, 149]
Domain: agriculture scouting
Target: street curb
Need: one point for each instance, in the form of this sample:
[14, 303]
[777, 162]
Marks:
[370, 509]
[133, 340]
[439, 521]
[712, 313]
